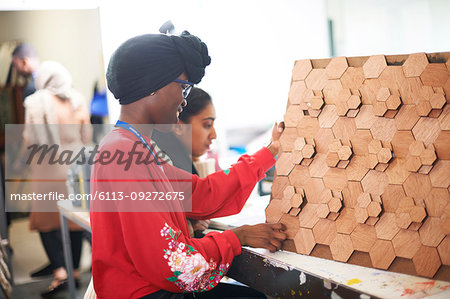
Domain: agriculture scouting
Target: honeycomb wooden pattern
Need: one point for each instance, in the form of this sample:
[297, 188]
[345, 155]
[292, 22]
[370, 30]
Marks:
[364, 166]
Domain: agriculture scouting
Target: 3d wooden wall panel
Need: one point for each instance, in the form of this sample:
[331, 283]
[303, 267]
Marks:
[364, 170]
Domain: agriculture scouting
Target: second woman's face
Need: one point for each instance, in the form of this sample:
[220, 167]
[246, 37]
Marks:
[203, 131]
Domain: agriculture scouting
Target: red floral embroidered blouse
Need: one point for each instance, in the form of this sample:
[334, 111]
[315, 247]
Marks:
[137, 253]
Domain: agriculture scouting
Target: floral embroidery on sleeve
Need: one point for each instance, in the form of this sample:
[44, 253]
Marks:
[192, 273]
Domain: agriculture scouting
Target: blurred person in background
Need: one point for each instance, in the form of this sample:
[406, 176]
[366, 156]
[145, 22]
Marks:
[54, 105]
[26, 62]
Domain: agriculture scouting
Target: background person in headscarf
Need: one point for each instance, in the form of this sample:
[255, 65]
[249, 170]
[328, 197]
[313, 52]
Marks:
[54, 105]
[143, 254]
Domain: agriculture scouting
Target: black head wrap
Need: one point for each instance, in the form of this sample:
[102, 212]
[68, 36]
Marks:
[146, 63]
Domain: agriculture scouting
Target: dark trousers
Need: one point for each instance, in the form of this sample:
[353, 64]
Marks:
[53, 246]
[222, 290]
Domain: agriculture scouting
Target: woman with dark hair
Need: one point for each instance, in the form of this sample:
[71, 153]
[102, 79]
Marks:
[200, 114]
[195, 130]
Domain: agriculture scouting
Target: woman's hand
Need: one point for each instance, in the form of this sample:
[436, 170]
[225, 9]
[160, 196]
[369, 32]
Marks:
[263, 235]
[200, 225]
[274, 145]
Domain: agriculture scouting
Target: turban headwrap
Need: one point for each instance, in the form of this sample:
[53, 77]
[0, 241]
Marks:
[146, 63]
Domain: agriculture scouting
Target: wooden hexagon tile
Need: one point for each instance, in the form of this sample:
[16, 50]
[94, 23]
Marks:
[364, 165]
[374, 66]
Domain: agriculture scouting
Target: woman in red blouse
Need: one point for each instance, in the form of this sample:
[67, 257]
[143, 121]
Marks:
[141, 244]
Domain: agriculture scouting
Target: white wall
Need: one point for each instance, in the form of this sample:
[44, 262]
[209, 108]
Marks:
[368, 27]
[253, 45]
[71, 37]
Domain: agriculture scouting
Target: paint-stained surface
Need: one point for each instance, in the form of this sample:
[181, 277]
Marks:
[289, 275]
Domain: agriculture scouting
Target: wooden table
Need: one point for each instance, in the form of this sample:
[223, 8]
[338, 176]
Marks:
[81, 217]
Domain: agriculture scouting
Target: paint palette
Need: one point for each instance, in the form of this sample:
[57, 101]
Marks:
[363, 174]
